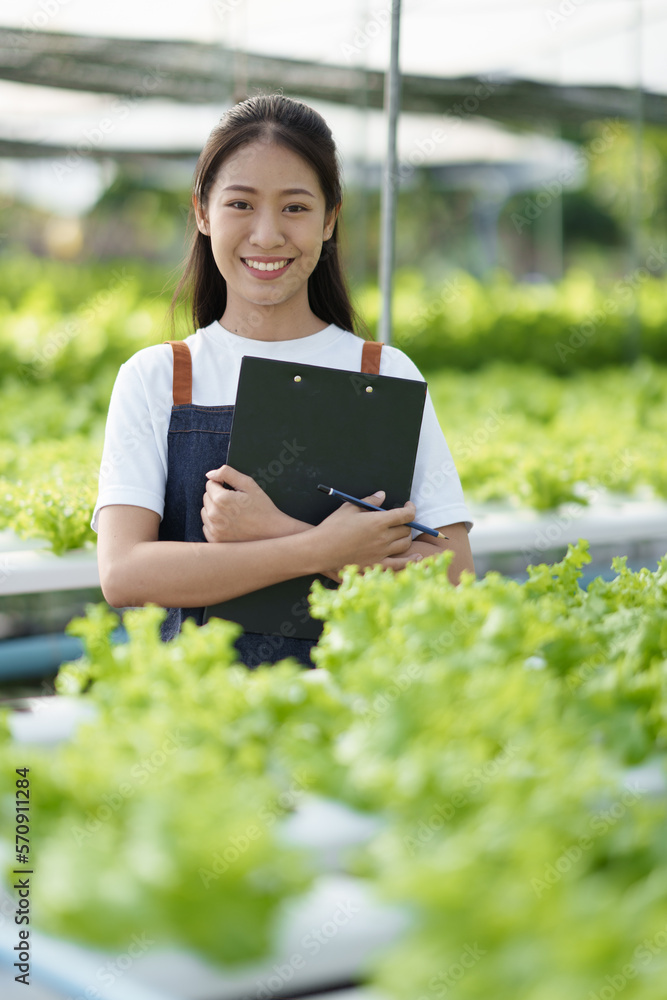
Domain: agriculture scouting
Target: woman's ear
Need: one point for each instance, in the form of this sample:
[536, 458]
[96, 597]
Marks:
[201, 217]
[330, 222]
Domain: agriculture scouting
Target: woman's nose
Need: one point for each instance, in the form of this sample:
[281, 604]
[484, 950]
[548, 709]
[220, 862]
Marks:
[267, 231]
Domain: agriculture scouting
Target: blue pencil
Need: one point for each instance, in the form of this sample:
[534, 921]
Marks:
[369, 506]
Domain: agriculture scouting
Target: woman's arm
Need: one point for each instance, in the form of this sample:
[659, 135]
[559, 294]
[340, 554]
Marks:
[136, 568]
[422, 546]
[246, 512]
[457, 541]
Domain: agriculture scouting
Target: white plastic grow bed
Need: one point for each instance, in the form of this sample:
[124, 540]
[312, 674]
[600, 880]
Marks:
[615, 525]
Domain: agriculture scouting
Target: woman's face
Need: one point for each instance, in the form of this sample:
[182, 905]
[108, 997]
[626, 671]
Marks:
[267, 220]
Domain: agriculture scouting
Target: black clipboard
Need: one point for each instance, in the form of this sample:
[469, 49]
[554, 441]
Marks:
[298, 425]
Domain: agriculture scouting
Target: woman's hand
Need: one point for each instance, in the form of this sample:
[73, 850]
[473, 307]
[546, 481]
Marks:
[246, 513]
[242, 514]
[366, 538]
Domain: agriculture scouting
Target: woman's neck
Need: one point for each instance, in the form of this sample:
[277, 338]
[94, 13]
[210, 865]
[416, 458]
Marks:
[270, 322]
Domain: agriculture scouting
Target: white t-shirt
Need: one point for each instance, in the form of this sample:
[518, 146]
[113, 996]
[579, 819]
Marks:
[134, 461]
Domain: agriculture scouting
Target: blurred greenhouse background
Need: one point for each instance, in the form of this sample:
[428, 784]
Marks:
[530, 287]
[530, 231]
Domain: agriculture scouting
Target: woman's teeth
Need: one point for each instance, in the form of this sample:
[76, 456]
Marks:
[261, 266]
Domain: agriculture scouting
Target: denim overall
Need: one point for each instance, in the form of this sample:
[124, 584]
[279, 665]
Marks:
[198, 440]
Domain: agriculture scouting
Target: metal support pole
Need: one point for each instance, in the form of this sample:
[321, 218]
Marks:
[633, 348]
[392, 100]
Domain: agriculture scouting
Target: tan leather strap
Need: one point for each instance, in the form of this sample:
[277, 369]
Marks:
[182, 372]
[370, 365]
[370, 357]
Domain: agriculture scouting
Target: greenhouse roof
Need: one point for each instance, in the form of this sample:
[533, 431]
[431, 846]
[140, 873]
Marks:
[512, 76]
[209, 73]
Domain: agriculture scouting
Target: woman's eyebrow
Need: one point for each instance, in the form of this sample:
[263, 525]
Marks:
[251, 190]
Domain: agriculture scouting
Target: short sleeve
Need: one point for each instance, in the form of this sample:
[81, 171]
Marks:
[436, 488]
[134, 460]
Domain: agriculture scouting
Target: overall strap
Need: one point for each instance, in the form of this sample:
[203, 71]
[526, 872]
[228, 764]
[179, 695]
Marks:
[370, 365]
[182, 372]
[370, 357]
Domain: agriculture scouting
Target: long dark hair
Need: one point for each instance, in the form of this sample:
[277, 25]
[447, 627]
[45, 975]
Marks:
[296, 126]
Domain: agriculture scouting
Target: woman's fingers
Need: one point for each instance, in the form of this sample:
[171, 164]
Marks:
[218, 494]
[221, 504]
[399, 545]
[213, 490]
[243, 513]
[400, 562]
[400, 514]
[377, 499]
[226, 474]
[405, 513]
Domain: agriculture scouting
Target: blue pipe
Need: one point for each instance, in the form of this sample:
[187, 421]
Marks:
[36, 656]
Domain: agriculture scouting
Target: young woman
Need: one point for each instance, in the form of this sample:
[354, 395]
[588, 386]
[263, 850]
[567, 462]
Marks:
[265, 279]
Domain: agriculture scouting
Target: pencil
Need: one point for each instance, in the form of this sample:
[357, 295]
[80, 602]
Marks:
[369, 506]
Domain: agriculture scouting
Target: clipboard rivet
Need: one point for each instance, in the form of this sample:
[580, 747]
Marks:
[369, 388]
[297, 378]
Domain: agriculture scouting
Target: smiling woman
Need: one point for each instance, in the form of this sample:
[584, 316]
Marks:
[264, 279]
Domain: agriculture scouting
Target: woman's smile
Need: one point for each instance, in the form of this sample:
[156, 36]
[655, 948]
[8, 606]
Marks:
[267, 268]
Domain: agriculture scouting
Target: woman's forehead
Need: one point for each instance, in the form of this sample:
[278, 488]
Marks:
[268, 165]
